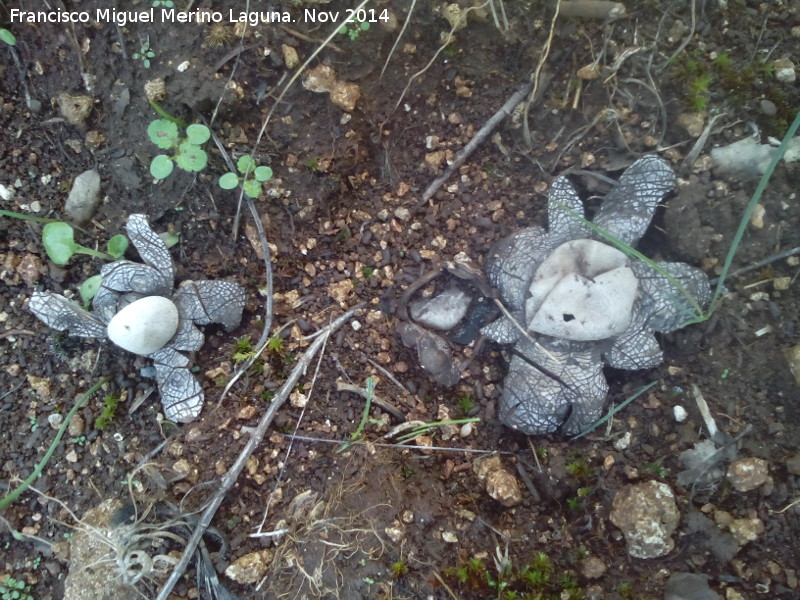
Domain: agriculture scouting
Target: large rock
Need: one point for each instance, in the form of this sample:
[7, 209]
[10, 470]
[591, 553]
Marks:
[92, 569]
[689, 586]
[647, 515]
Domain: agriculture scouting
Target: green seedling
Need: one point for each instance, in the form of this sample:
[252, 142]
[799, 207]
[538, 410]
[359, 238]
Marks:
[164, 3]
[110, 405]
[356, 435]
[89, 288]
[187, 151]
[275, 345]
[59, 242]
[465, 404]
[14, 589]
[243, 349]
[579, 468]
[399, 568]
[7, 37]
[145, 53]
[353, 29]
[252, 177]
[656, 469]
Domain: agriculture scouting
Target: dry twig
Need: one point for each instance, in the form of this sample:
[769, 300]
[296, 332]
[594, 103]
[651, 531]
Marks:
[484, 133]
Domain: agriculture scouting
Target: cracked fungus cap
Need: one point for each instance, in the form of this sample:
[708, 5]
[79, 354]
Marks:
[144, 326]
[583, 291]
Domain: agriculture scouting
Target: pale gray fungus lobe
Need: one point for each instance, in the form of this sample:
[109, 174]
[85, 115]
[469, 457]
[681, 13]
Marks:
[134, 307]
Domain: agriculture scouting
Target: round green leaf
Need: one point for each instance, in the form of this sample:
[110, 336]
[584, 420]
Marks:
[117, 245]
[252, 188]
[197, 134]
[263, 173]
[89, 288]
[59, 242]
[364, 26]
[191, 157]
[163, 133]
[228, 181]
[161, 166]
[244, 163]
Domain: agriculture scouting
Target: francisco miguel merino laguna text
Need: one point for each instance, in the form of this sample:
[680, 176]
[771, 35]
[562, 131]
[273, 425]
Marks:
[167, 15]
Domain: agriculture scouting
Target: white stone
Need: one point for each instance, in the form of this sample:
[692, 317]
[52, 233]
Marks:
[680, 413]
[583, 291]
[144, 326]
[6, 193]
[441, 312]
[784, 70]
[623, 442]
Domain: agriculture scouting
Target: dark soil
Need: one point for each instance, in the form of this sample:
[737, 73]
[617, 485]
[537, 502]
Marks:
[345, 226]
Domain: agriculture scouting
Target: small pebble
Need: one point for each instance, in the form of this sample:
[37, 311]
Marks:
[785, 70]
[623, 442]
[84, 197]
[55, 420]
[449, 537]
[748, 473]
[680, 413]
[76, 426]
[768, 108]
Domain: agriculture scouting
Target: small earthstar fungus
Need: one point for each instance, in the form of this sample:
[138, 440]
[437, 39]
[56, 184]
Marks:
[137, 308]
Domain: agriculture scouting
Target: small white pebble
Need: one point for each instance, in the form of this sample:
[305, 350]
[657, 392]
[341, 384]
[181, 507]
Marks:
[680, 413]
[466, 430]
[183, 66]
[356, 325]
[449, 537]
[6, 193]
[55, 420]
[623, 442]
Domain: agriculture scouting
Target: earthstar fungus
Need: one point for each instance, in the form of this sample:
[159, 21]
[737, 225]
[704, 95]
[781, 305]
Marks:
[582, 303]
[575, 302]
[137, 308]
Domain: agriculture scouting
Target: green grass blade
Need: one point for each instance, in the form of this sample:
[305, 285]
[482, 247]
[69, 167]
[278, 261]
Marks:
[762, 185]
[613, 411]
[37, 471]
[24, 217]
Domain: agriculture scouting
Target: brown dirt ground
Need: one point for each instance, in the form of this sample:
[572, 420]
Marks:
[335, 220]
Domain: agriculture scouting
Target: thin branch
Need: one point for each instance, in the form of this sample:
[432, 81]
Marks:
[484, 133]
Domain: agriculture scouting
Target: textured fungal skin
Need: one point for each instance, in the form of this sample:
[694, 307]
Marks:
[556, 384]
[124, 282]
